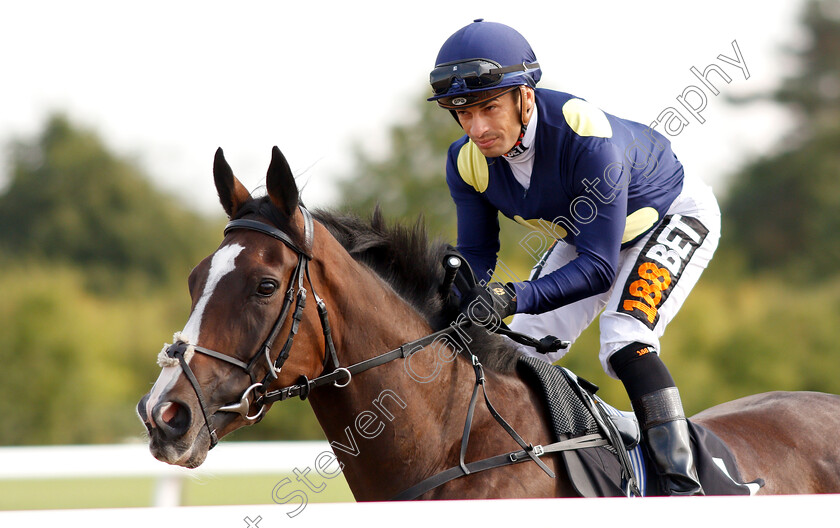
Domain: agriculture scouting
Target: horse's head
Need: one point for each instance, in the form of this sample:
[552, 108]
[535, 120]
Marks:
[247, 301]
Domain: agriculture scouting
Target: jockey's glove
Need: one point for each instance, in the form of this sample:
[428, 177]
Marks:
[488, 305]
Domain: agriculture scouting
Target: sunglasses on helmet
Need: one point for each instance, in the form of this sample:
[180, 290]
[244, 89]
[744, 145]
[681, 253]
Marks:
[476, 73]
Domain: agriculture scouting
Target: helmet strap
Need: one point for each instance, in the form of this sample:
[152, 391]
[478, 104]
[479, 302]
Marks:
[518, 148]
[525, 117]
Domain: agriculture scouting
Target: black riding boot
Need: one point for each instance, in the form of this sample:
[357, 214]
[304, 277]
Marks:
[656, 402]
[665, 432]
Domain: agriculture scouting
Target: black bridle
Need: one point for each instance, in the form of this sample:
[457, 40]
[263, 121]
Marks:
[295, 294]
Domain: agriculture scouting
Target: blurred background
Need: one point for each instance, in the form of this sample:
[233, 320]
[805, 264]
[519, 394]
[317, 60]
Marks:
[110, 114]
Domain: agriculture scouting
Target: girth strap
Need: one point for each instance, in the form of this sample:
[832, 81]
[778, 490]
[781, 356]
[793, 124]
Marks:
[514, 457]
[611, 433]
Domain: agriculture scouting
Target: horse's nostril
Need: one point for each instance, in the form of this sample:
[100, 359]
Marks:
[172, 417]
[170, 411]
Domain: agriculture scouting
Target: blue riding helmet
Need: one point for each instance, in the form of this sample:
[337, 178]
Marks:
[481, 61]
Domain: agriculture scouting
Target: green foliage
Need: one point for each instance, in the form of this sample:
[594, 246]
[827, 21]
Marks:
[813, 91]
[409, 181]
[70, 200]
[781, 209]
[75, 364]
[71, 493]
[747, 335]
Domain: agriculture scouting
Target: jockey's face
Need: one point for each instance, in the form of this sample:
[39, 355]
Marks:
[494, 126]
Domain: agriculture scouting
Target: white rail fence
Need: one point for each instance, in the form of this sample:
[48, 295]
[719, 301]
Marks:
[134, 460]
[683, 512]
[283, 457]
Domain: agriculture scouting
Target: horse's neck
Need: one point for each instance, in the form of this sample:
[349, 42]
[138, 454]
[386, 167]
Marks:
[390, 422]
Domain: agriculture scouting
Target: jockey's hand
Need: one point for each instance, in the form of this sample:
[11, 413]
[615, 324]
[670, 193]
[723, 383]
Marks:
[488, 305]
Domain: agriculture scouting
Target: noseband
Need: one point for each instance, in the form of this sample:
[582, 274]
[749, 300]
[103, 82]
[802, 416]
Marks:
[296, 294]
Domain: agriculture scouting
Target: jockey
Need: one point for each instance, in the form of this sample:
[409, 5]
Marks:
[620, 228]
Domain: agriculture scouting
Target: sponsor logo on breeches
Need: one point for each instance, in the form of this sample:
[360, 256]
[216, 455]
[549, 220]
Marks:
[660, 266]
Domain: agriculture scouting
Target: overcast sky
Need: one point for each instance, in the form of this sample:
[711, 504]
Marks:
[166, 82]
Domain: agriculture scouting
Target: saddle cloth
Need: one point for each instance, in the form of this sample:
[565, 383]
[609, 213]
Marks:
[595, 471]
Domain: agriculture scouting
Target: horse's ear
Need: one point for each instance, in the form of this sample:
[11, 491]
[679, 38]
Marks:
[281, 185]
[232, 193]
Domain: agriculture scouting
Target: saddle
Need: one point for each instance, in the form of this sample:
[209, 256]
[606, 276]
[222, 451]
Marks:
[574, 410]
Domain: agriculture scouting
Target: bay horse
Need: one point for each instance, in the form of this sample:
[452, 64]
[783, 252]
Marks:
[395, 422]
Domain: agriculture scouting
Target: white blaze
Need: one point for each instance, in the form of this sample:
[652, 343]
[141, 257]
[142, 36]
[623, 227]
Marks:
[221, 265]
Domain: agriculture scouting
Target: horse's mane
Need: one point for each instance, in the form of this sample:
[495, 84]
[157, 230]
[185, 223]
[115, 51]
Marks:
[404, 257]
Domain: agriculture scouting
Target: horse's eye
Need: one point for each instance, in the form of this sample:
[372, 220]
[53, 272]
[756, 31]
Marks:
[266, 288]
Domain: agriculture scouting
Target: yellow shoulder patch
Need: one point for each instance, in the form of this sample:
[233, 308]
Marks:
[586, 119]
[472, 166]
[638, 222]
[547, 228]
